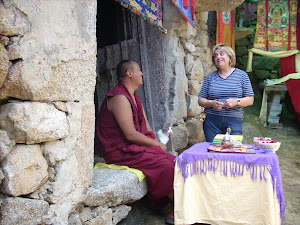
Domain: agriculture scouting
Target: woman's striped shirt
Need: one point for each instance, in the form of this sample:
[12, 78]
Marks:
[236, 85]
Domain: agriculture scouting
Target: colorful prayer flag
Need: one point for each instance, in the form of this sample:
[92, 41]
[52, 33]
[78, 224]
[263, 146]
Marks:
[149, 10]
[187, 9]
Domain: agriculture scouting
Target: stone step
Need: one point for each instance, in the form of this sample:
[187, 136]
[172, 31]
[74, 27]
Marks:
[115, 187]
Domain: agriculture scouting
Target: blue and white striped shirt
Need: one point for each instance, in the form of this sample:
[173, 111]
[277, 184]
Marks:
[236, 85]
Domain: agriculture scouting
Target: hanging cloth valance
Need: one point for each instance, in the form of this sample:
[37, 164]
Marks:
[150, 10]
[187, 9]
[279, 54]
[225, 28]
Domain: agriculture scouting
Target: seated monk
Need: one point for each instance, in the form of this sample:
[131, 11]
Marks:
[126, 137]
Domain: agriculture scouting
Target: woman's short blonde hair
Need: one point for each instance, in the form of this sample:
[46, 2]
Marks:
[226, 49]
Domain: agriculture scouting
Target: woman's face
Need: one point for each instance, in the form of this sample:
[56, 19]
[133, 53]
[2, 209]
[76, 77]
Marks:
[222, 59]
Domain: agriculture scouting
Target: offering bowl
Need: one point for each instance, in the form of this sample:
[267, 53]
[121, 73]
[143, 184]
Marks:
[269, 146]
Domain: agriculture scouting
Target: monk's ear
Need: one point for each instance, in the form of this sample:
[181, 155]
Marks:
[129, 73]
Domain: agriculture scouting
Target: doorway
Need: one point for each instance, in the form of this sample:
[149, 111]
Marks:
[123, 35]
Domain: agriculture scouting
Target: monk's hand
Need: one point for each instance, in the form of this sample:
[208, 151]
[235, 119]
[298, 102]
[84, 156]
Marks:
[163, 146]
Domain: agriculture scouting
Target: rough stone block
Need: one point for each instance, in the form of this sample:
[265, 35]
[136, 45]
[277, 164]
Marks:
[189, 47]
[193, 106]
[33, 122]
[25, 170]
[4, 64]
[197, 71]
[13, 51]
[179, 137]
[14, 85]
[13, 21]
[5, 144]
[120, 212]
[194, 87]
[195, 131]
[114, 187]
[22, 211]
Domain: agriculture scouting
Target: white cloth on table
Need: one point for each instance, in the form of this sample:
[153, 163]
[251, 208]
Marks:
[222, 200]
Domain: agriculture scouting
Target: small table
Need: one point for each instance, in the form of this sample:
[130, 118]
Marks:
[227, 188]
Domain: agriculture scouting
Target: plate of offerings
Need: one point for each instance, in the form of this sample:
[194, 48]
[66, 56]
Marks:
[242, 148]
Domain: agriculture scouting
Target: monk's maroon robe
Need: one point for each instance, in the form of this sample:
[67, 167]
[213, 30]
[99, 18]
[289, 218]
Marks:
[158, 166]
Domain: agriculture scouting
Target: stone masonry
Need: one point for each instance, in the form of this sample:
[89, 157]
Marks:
[48, 57]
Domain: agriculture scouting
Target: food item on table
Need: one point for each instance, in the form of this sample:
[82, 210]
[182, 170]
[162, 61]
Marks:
[258, 140]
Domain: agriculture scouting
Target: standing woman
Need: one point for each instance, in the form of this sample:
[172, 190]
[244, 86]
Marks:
[224, 94]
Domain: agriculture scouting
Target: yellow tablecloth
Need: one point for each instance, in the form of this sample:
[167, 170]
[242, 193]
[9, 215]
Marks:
[220, 200]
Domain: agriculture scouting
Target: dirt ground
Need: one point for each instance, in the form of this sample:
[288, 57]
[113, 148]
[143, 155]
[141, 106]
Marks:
[289, 160]
[288, 154]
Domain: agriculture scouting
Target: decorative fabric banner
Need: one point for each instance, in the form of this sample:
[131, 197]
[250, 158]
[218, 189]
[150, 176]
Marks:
[187, 9]
[149, 10]
[225, 28]
[276, 25]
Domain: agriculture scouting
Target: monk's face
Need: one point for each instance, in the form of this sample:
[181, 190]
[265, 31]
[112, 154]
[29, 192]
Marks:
[137, 74]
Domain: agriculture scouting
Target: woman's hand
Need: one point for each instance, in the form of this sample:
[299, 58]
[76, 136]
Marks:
[217, 105]
[210, 103]
[231, 102]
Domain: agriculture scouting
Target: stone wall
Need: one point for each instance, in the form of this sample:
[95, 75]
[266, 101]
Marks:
[188, 54]
[188, 62]
[47, 80]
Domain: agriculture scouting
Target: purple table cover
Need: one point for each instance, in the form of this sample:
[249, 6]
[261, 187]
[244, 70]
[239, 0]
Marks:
[197, 160]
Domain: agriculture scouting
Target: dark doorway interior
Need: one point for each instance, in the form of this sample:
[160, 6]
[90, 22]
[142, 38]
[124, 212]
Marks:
[113, 24]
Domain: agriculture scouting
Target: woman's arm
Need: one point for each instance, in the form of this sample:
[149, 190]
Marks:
[210, 103]
[246, 101]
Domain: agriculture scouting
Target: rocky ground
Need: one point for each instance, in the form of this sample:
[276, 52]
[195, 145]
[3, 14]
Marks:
[289, 159]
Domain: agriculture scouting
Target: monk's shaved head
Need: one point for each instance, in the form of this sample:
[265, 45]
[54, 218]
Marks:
[123, 67]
